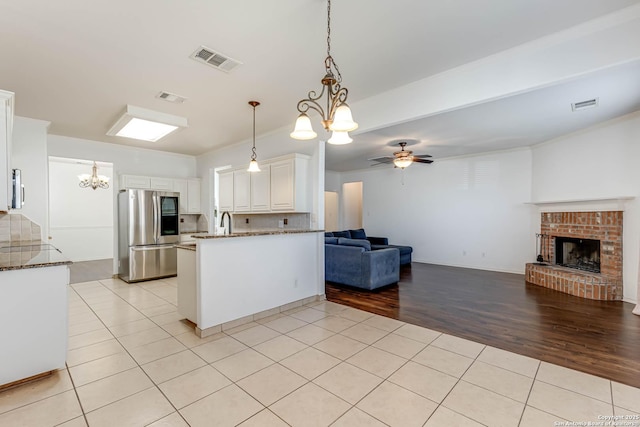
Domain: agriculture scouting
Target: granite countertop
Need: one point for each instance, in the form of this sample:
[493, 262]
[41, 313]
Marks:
[254, 233]
[18, 256]
[187, 246]
[193, 232]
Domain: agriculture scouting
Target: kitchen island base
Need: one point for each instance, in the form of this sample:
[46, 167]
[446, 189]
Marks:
[227, 281]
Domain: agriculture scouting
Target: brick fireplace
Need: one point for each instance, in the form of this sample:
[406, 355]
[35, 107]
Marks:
[583, 235]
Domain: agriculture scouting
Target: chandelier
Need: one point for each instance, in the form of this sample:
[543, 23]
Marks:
[94, 180]
[253, 164]
[336, 116]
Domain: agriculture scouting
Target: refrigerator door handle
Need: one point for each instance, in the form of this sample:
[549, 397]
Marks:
[152, 247]
[156, 217]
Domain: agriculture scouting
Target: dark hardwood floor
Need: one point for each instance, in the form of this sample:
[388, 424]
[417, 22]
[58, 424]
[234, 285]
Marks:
[503, 311]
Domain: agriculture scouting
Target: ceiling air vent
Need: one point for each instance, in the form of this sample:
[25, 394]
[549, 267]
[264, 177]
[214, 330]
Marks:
[171, 97]
[577, 106]
[215, 59]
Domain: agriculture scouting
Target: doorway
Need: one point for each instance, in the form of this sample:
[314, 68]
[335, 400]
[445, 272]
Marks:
[331, 211]
[80, 219]
[352, 205]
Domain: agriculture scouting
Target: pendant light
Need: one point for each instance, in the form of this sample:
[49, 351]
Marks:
[253, 164]
[337, 116]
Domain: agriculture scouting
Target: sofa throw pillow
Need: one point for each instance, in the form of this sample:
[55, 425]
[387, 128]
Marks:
[330, 240]
[355, 242]
[358, 234]
[344, 233]
[328, 234]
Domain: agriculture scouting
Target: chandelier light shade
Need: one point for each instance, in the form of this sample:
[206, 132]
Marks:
[253, 164]
[336, 116]
[94, 180]
[403, 162]
[340, 138]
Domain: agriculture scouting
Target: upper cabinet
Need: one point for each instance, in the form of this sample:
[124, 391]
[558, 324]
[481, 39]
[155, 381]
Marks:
[189, 189]
[281, 186]
[261, 190]
[289, 182]
[241, 191]
[225, 191]
[6, 128]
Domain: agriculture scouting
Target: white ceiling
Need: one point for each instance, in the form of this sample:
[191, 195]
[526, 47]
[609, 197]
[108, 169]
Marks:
[77, 63]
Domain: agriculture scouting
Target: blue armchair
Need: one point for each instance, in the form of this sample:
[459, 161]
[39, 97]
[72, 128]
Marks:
[351, 262]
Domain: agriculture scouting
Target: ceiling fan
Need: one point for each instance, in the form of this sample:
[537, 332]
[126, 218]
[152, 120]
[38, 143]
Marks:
[402, 159]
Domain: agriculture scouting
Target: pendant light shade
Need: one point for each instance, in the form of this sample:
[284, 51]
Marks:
[340, 138]
[303, 129]
[342, 119]
[253, 164]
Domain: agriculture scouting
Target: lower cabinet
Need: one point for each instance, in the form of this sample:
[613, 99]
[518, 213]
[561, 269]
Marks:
[33, 321]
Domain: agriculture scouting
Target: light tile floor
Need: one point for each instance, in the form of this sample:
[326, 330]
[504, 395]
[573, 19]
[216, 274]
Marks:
[133, 362]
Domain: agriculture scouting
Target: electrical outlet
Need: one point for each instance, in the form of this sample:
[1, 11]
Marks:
[286, 221]
[246, 220]
[295, 283]
[280, 224]
[181, 219]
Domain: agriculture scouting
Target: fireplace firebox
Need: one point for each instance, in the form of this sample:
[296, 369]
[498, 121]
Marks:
[581, 254]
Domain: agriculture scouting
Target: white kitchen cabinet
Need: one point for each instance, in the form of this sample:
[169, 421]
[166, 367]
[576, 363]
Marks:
[180, 186]
[241, 191]
[225, 191]
[134, 181]
[6, 127]
[289, 184]
[33, 321]
[260, 189]
[193, 196]
[161, 184]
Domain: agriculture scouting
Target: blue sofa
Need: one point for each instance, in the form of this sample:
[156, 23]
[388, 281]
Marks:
[352, 262]
[377, 243]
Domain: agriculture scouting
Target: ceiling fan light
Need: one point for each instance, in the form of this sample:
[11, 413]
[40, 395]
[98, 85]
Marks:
[253, 166]
[303, 129]
[342, 119]
[403, 162]
[340, 138]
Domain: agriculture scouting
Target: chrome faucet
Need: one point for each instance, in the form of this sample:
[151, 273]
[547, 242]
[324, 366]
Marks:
[222, 220]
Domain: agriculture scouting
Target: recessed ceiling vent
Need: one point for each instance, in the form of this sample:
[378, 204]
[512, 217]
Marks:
[215, 59]
[589, 103]
[171, 97]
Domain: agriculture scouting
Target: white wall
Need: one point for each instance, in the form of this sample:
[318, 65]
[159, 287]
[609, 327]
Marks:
[466, 212]
[80, 219]
[598, 162]
[29, 154]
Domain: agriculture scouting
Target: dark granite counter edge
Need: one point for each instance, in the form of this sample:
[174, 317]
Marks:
[254, 233]
[39, 265]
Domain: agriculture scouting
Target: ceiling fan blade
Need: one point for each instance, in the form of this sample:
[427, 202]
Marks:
[422, 161]
[382, 159]
[422, 155]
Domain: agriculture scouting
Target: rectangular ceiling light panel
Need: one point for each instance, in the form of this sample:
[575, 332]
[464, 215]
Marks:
[146, 125]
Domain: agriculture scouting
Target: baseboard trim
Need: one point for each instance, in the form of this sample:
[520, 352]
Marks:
[203, 333]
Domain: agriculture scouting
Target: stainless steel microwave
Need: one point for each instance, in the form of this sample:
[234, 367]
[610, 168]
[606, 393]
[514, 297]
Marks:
[17, 201]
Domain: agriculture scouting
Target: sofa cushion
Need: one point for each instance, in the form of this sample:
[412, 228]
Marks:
[344, 233]
[328, 234]
[358, 234]
[355, 242]
[330, 240]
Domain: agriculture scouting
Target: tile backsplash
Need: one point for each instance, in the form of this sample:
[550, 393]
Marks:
[18, 228]
[260, 222]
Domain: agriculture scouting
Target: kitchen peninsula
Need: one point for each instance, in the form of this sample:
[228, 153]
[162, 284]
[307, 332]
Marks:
[228, 280]
[33, 310]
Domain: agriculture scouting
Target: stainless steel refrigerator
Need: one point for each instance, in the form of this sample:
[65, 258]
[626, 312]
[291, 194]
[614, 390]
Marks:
[148, 231]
